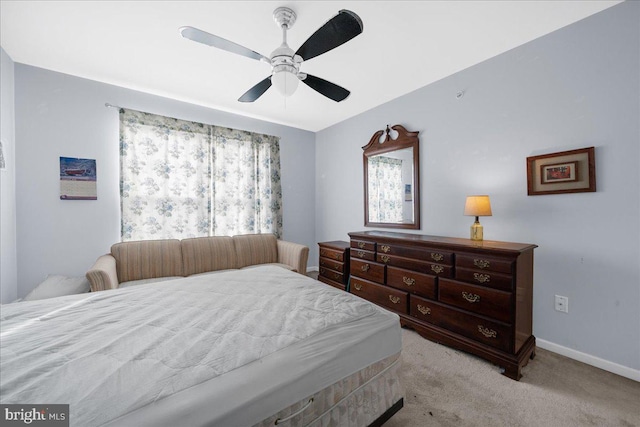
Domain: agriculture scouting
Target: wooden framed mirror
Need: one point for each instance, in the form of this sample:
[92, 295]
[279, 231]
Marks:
[392, 179]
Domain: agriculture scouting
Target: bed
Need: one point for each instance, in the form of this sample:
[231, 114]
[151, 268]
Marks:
[255, 347]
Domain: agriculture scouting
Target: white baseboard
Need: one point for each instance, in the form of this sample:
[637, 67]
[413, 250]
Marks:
[313, 268]
[606, 365]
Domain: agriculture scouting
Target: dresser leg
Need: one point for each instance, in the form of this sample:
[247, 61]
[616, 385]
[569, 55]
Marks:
[513, 372]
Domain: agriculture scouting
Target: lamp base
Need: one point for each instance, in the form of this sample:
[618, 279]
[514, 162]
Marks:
[476, 230]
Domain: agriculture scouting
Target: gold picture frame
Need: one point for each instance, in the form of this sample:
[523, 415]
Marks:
[571, 171]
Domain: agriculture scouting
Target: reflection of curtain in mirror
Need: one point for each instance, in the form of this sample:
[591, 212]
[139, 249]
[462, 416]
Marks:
[386, 192]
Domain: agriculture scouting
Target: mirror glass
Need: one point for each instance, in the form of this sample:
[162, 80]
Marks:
[392, 180]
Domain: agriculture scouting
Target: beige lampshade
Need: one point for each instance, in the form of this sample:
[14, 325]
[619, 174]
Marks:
[477, 206]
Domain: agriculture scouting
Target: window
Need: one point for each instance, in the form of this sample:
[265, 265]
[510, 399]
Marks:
[181, 179]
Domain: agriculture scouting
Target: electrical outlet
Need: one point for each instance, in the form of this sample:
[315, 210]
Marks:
[562, 304]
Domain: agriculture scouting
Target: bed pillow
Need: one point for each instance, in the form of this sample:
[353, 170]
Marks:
[56, 286]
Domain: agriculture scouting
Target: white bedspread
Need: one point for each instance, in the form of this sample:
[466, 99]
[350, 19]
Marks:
[113, 353]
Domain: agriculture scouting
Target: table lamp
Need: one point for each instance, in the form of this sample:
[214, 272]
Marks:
[477, 206]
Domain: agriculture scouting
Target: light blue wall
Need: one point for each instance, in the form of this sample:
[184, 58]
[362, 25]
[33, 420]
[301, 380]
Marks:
[8, 260]
[577, 87]
[61, 115]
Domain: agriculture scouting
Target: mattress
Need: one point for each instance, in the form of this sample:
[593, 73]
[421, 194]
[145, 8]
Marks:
[226, 349]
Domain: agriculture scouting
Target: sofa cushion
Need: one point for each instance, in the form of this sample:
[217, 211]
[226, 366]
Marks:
[254, 249]
[277, 264]
[204, 254]
[147, 259]
[145, 281]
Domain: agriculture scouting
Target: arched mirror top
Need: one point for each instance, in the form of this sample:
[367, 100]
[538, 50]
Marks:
[392, 179]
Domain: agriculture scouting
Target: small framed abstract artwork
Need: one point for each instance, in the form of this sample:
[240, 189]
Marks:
[563, 172]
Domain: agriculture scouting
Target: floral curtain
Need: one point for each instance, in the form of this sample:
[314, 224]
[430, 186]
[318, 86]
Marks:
[168, 179]
[247, 194]
[385, 189]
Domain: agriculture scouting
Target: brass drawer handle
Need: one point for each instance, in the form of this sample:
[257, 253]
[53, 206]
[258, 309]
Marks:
[361, 245]
[323, 253]
[385, 248]
[482, 278]
[424, 310]
[489, 333]
[393, 299]
[481, 263]
[365, 267]
[437, 257]
[361, 254]
[385, 258]
[357, 286]
[409, 281]
[323, 271]
[470, 297]
[437, 269]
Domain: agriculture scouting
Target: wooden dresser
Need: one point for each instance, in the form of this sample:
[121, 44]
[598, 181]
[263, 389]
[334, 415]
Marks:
[472, 295]
[334, 263]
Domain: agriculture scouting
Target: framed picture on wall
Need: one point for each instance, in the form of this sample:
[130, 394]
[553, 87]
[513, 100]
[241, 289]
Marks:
[563, 172]
[78, 179]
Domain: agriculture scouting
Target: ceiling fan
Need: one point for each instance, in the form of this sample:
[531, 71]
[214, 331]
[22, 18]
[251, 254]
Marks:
[285, 63]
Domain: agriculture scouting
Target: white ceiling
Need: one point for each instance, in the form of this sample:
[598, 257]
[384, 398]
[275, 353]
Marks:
[405, 45]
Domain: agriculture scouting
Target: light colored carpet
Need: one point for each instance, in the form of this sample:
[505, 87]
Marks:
[446, 387]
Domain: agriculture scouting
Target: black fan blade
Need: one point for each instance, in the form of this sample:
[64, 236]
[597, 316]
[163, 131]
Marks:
[338, 30]
[210, 40]
[256, 91]
[328, 89]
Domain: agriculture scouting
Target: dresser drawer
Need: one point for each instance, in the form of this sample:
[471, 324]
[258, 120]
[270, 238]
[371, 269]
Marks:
[368, 270]
[416, 265]
[431, 255]
[332, 254]
[331, 274]
[362, 244]
[382, 295]
[416, 283]
[485, 278]
[492, 333]
[332, 264]
[363, 254]
[478, 299]
[479, 262]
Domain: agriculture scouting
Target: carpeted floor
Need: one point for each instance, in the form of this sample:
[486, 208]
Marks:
[446, 387]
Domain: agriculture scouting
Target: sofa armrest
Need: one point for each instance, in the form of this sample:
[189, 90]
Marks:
[293, 254]
[102, 275]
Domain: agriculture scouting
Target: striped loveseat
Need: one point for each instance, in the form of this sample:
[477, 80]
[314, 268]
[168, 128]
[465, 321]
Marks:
[138, 262]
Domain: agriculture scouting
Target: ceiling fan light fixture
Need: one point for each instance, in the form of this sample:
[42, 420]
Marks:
[285, 82]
